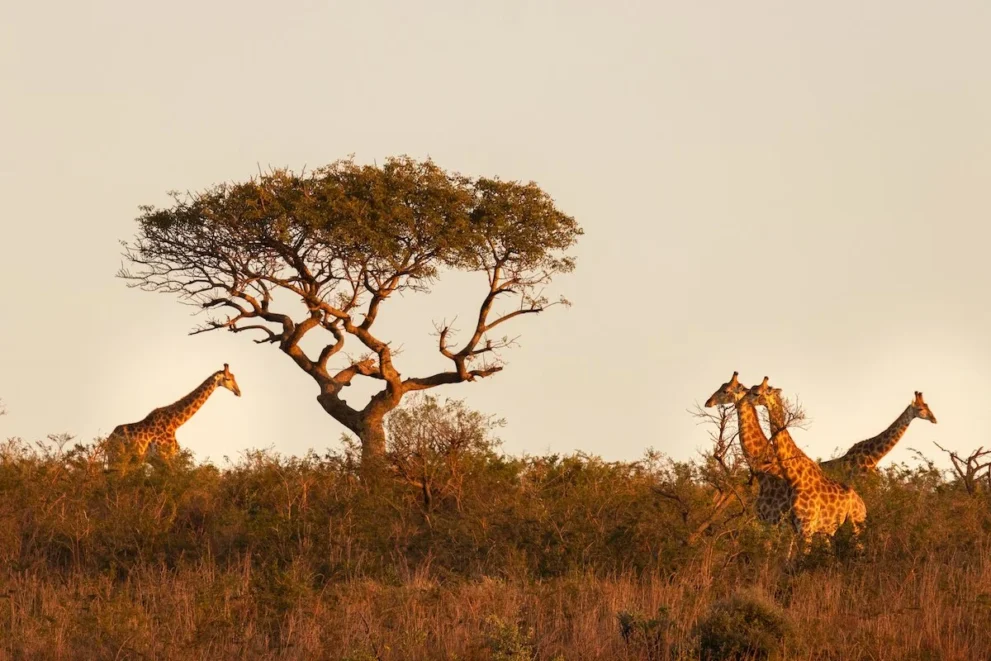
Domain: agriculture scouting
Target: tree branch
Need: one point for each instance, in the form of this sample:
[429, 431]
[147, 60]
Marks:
[968, 469]
[365, 367]
[445, 378]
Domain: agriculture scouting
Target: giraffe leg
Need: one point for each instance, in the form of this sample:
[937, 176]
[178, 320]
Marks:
[764, 518]
[803, 541]
[806, 542]
[796, 525]
[116, 449]
[858, 542]
[766, 544]
[166, 449]
[162, 450]
[171, 449]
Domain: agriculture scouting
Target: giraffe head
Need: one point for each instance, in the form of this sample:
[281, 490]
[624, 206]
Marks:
[762, 394]
[225, 379]
[921, 409]
[728, 394]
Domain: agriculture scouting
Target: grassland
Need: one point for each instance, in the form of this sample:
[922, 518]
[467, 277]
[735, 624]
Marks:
[462, 552]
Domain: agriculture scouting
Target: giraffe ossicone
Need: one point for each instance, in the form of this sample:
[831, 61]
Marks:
[157, 429]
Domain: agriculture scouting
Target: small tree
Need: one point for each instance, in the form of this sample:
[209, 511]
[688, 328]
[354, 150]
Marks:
[431, 442]
[343, 240]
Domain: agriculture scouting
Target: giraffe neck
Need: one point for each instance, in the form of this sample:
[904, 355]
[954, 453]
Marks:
[776, 415]
[756, 449]
[795, 464]
[874, 449]
[181, 411]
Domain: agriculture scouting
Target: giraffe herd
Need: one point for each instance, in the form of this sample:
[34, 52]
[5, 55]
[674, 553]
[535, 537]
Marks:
[792, 487]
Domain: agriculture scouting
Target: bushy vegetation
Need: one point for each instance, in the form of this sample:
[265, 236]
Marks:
[743, 626]
[462, 552]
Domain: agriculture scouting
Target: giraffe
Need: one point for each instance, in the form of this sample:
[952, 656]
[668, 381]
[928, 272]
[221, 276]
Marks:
[774, 495]
[864, 456]
[158, 427]
[819, 503]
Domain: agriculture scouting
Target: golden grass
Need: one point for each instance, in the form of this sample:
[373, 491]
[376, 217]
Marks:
[860, 610]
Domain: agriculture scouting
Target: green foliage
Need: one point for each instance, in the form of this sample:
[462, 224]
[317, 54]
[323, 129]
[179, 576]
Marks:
[745, 626]
[437, 448]
[347, 233]
[506, 641]
[369, 214]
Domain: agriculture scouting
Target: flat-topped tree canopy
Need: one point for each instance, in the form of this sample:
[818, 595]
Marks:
[343, 239]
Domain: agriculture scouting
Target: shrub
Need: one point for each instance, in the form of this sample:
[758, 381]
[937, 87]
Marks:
[646, 638]
[507, 641]
[745, 626]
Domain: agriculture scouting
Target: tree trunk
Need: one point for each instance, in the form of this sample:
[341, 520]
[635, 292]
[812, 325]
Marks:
[368, 424]
[372, 436]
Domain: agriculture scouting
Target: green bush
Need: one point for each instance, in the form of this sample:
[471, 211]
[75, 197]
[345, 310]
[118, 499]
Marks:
[507, 641]
[745, 626]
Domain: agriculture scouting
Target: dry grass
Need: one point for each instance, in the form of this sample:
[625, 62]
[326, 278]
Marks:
[864, 610]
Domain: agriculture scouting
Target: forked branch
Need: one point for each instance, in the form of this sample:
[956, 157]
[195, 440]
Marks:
[969, 469]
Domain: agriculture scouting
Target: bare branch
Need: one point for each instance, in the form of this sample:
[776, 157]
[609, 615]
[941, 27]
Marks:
[445, 378]
[683, 509]
[723, 462]
[968, 469]
[365, 367]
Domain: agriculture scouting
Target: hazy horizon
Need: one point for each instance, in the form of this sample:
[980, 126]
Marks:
[784, 189]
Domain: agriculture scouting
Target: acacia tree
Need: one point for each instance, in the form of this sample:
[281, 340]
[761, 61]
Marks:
[342, 240]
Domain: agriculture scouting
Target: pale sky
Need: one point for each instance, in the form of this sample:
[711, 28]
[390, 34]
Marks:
[797, 189]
